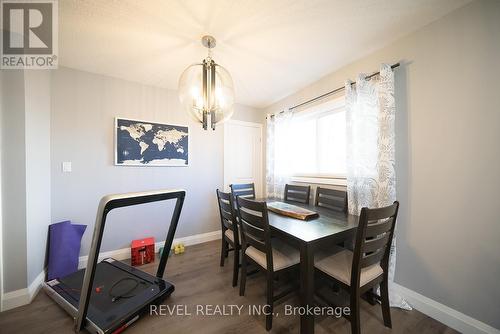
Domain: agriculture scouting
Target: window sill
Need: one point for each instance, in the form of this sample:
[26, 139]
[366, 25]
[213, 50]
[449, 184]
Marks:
[333, 181]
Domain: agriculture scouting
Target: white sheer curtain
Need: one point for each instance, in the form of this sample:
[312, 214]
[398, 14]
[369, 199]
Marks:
[371, 177]
[278, 153]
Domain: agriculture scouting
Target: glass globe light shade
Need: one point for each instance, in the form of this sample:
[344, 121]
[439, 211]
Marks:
[219, 106]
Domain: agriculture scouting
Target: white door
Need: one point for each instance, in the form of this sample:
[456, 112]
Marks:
[243, 154]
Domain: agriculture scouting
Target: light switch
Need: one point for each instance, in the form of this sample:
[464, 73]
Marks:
[66, 167]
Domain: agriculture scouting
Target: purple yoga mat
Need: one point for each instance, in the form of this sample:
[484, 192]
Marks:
[64, 248]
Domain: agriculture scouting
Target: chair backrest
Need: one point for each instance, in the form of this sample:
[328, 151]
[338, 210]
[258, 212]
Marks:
[227, 214]
[254, 224]
[299, 194]
[246, 190]
[374, 239]
[331, 199]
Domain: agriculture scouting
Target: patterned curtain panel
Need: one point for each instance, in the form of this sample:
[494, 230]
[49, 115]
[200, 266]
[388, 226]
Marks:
[277, 154]
[371, 177]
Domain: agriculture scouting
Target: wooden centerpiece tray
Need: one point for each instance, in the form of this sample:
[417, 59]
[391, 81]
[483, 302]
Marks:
[291, 210]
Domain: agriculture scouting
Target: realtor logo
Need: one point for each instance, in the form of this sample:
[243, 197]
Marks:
[29, 34]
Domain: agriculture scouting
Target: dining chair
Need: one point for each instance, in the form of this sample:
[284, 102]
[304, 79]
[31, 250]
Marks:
[246, 190]
[270, 255]
[299, 194]
[362, 270]
[230, 232]
[331, 199]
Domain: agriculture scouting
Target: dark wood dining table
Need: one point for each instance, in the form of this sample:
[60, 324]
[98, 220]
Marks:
[329, 228]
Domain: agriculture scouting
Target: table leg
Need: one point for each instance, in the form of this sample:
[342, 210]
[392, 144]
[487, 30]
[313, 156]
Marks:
[306, 288]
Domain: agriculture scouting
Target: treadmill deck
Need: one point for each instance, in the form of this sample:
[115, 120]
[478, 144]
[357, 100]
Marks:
[120, 294]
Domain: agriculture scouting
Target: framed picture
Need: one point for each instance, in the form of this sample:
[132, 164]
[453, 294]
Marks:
[143, 143]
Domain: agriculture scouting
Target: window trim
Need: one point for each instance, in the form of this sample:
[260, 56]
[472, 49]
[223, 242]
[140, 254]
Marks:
[318, 110]
[314, 179]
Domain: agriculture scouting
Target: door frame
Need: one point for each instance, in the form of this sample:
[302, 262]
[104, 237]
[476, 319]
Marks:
[262, 172]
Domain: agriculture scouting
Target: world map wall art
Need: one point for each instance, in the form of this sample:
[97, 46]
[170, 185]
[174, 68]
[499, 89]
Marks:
[142, 143]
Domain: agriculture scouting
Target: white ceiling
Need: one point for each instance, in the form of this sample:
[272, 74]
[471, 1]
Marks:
[272, 48]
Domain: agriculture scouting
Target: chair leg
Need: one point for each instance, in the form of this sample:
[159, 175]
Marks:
[236, 266]
[386, 307]
[355, 321]
[243, 277]
[223, 251]
[270, 294]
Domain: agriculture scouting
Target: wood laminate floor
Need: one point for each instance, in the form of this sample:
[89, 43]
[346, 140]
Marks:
[201, 283]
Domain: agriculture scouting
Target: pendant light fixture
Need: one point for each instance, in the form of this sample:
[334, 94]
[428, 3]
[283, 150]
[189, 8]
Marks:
[206, 90]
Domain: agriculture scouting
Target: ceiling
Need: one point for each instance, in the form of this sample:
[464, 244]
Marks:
[272, 48]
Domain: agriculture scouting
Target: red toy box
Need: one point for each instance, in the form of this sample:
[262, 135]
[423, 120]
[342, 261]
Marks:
[142, 251]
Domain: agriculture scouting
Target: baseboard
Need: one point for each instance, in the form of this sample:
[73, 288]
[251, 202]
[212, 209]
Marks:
[124, 253]
[24, 296]
[442, 313]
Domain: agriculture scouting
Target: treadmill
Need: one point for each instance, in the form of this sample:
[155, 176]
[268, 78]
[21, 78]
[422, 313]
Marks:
[107, 297]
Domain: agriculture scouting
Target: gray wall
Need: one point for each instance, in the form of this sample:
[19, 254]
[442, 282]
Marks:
[25, 175]
[82, 121]
[13, 181]
[37, 137]
[249, 114]
[1, 188]
[448, 156]
[1, 192]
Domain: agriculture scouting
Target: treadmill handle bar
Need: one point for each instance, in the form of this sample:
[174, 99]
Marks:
[107, 204]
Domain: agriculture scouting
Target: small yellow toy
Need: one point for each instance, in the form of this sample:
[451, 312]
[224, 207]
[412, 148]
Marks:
[178, 248]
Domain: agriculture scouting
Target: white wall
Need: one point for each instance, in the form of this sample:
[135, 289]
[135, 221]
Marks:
[448, 156]
[82, 126]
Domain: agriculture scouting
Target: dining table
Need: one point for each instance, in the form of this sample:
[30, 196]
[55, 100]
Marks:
[329, 228]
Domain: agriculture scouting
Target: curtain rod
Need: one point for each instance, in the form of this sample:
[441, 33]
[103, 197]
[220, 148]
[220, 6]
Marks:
[314, 99]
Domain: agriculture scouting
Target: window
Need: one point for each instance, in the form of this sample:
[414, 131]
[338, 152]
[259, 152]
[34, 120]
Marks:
[313, 144]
